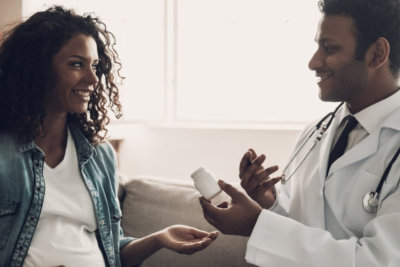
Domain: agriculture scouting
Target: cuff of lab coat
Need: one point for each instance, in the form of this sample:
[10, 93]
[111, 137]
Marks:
[281, 241]
[267, 243]
[280, 204]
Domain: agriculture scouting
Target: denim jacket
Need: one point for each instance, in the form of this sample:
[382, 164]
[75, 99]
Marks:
[22, 192]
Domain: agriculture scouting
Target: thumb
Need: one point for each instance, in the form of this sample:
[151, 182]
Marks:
[229, 189]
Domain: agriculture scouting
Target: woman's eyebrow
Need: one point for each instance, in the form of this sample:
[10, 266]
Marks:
[83, 58]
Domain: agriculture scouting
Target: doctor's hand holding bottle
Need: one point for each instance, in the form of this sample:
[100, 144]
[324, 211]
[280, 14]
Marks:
[240, 216]
[256, 180]
[236, 218]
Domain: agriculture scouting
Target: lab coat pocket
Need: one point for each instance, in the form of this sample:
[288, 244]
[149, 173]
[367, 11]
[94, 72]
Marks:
[7, 215]
[355, 217]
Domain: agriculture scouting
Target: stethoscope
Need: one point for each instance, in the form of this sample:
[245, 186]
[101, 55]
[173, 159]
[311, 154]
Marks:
[371, 199]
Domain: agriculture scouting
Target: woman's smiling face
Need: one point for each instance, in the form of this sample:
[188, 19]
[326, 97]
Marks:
[74, 70]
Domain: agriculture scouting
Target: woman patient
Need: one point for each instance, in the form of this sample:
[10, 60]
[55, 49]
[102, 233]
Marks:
[58, 175]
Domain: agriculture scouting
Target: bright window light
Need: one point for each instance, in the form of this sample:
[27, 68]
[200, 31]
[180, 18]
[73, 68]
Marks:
[212, 61]
[246, 61]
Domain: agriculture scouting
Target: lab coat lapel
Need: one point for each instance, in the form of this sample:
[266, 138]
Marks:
[362, 150]
[367, 146]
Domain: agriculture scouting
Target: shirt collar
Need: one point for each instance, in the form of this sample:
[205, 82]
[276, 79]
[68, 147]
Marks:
[371, 117]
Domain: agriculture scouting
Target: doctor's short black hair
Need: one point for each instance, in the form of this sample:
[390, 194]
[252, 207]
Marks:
[373, 19]
[26, 75]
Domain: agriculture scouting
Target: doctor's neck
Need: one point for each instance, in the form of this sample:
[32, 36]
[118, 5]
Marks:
[368, 99]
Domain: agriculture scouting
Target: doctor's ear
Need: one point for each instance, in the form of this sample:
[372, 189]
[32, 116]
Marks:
[378, 53]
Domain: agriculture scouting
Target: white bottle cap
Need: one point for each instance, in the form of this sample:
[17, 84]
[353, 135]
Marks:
[205, 183]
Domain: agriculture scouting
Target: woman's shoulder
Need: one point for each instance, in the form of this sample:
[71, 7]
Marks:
[105, 147]
[105, 150]
[7, 142]
[10, 151]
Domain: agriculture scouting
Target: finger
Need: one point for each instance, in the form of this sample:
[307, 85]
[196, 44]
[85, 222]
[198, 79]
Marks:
[206, 242]
[253, 154]
[213, 235]
[223, 205]
[252, 169]
[263, 175]
[197, 246]
[190, 248]
[245, 161]
[199, 233]
[211, 213]
[229, 189]
[270, 183]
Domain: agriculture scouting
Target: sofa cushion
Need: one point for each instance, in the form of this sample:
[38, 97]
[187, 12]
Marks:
[151, 204]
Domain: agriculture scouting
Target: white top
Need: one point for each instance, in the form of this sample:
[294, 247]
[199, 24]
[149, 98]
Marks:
[65, 234]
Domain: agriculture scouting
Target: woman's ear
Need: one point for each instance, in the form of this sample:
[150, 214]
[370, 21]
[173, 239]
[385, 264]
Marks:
[378, 53]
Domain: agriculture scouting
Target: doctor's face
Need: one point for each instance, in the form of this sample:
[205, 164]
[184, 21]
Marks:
[341, 76]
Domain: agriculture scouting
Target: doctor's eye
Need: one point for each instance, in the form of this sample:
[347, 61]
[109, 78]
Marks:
[330, 49]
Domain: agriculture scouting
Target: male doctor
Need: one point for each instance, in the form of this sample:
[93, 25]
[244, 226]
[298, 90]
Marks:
[319, 217]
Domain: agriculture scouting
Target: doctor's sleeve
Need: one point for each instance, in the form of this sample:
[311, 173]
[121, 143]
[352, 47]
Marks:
[282, 202]
[281, 241]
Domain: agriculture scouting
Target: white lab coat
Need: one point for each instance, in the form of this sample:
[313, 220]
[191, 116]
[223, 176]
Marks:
[299, 238]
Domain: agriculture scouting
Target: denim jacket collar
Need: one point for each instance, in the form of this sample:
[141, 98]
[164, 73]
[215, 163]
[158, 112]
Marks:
[84, 149]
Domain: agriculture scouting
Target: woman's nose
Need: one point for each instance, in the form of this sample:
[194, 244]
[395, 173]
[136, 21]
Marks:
[91, 77]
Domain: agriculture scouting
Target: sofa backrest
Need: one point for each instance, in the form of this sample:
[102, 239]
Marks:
[151, 204]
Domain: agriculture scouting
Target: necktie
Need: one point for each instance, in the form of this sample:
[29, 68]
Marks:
[341, 144]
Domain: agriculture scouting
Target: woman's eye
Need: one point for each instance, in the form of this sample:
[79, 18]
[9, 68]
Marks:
[76, 64]
[95, 67]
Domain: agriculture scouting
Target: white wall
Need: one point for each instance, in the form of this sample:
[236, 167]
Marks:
[177, 152]
[10, 10]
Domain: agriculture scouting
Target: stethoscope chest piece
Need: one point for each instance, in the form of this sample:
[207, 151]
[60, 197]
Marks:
[370, 202]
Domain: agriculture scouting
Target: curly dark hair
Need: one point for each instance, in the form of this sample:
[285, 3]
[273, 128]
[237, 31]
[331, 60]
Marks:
[26, 53]
[373, 19]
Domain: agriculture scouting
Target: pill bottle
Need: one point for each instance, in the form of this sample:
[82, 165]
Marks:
[205, 183]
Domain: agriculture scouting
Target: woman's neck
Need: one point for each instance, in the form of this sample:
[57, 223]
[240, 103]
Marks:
[53, 140]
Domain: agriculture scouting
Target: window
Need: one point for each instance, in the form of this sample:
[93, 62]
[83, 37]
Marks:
[212, 61]
[246, 61]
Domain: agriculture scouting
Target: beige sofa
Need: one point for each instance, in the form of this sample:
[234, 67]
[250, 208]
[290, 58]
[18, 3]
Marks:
[150, 204]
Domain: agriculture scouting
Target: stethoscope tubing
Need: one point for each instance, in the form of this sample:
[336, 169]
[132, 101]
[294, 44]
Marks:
[387, 170]
[370, 201]
[319, 126]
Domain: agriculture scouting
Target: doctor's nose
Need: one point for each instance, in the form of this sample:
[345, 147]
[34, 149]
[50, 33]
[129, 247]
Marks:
[316, 61]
